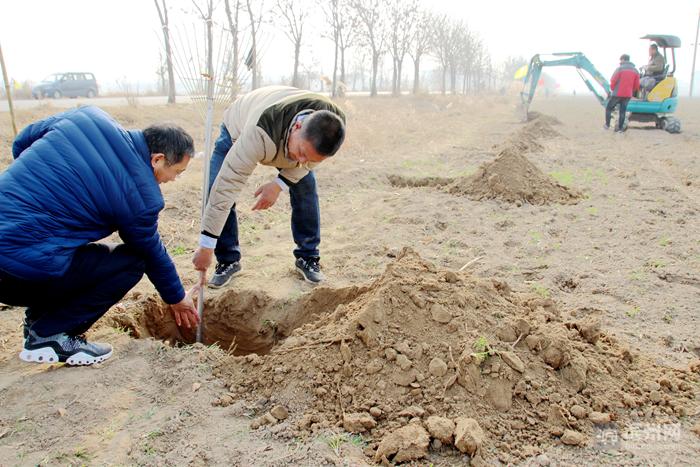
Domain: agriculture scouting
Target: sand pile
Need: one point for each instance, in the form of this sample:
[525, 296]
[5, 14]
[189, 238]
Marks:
[427, 359]
[534, 115]
[512, 178]
[527, 138]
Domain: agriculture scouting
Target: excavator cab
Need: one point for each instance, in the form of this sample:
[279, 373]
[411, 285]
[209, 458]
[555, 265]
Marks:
[666, 84]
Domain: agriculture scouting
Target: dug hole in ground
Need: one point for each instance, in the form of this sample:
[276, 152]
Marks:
[409, 354]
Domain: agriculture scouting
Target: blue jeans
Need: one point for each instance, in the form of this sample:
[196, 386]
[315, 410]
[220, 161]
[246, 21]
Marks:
[613, 102]
[306, 215]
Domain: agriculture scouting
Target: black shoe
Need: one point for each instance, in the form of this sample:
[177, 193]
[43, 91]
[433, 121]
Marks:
[26, 325]
[223, 273]
[73, 350]
[309, 269]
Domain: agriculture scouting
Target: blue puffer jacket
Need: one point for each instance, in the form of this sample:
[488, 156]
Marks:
[77, 178]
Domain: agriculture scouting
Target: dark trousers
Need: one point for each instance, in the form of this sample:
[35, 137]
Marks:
[610, 107]
[98, 277]
[306, 215]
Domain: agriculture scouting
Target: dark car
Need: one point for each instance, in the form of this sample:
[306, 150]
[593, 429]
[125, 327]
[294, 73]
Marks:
[66, 85]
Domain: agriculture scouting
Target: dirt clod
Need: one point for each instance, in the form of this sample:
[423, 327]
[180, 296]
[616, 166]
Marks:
[358, 422]
[573, 438]
[267, 419]
[404, 444]
[469, 437]
[578, 411]
[599, 418]
[440, 314]
[280, 412]
[437, 367]
[513, 361]
[440, 428]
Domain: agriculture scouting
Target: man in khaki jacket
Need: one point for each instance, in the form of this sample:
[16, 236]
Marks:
[283, 127]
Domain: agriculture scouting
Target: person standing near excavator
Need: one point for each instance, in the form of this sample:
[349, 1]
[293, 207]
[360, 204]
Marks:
[623, 85]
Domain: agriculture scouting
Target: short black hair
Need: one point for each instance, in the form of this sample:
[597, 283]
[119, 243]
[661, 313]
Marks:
[624, 58]
[169, 139]
[325, 130]
[655, 47]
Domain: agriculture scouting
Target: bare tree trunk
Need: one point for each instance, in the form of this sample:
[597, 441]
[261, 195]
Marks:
[342, 65]
[444, 80]
[163, 15]
[416, 75]
[334, 89]
[233, 28]
[254, 50]
[295, 76]
[394, 74]
[375, 70]
[398, 81]
[292, 16]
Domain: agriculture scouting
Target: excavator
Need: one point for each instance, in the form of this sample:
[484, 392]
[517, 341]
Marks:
[657, 106]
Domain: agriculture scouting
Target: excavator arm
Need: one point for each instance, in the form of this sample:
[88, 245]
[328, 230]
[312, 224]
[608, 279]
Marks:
[574, 59]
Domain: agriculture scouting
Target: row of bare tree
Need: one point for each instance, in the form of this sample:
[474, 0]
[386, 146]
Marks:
[374, 29]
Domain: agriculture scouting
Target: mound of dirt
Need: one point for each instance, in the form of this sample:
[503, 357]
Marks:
[511, 177]
[528, 138]
[534, 115]
[425, 354]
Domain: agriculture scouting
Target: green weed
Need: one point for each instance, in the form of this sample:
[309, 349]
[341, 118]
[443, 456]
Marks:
[535, 237]
[540, 290]
[637, 275]
[563, 177]
[178, 250]
[655, 263]
[336, 441]
[270, 324]
[482, 349]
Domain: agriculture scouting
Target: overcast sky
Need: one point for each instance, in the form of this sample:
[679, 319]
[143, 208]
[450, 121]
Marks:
[119, 39]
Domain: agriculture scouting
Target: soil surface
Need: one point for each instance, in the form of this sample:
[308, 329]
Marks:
[544, 312]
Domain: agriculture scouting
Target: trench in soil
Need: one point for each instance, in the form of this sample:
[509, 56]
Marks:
[239, 321]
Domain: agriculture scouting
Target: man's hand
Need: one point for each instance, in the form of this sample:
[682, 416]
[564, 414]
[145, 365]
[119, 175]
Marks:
[268, 196]
[185, 311]
[202, 260]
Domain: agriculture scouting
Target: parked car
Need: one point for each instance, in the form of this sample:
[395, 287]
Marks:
[66, 85]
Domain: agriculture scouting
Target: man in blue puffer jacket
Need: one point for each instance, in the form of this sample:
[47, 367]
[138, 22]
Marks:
[77, 178]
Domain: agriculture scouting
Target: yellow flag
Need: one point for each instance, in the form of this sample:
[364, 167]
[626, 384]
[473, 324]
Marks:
[521, 72]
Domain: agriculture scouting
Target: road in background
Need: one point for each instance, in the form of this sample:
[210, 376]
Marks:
[67, 103]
